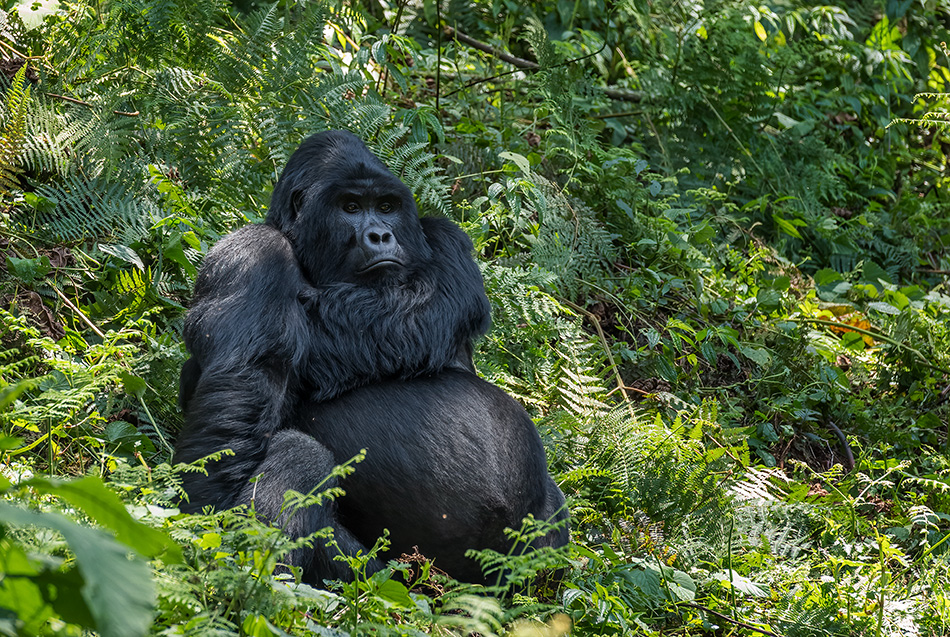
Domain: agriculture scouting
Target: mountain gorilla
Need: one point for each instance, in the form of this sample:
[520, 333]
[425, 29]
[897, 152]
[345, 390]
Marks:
[346, 322]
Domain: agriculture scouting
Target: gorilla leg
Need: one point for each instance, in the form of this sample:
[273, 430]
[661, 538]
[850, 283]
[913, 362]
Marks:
[296, 461]
[554, 511]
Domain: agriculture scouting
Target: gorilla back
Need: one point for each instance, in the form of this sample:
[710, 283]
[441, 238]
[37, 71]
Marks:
[451, 461]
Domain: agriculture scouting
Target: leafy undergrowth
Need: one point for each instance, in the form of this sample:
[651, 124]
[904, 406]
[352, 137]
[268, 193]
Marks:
[714, 241]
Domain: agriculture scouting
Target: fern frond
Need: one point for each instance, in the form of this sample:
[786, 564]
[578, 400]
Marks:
[14, 131]
[94, 207]
[581, 387]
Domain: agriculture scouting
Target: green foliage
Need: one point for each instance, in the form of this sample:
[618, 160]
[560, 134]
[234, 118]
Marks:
[117, 595]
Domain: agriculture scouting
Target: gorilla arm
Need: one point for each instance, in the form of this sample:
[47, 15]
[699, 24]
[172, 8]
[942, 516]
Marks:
[364, 333]
[246, 332]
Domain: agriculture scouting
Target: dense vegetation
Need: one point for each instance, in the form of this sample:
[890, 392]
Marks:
[715, 240]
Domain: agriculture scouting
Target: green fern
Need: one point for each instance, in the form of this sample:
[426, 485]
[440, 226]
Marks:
[13, 134]
[581, 386]
[94, 207]
[56, 138]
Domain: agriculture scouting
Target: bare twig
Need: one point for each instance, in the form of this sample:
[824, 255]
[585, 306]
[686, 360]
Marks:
[527, 65]
[603, 340]
[494, 51]
[733, 621]
[79, 313]
[73, 100]
[623, 95]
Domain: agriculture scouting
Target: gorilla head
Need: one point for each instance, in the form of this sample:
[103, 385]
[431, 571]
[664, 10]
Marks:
[348, 217]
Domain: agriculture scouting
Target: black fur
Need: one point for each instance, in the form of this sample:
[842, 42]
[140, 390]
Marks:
[346, 322]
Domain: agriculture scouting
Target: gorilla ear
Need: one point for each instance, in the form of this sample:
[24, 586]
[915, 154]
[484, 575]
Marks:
[296, 203]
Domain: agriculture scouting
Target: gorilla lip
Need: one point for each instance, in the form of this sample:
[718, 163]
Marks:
[381, 263]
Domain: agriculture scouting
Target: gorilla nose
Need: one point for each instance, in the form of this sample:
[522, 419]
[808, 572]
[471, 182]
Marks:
[379, 247]
[378, 238]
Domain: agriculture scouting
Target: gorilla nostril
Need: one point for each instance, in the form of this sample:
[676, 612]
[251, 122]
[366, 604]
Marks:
[376, 238]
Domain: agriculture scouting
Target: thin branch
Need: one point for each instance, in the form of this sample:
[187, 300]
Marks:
[73, 100]
[741, 624]
[79, 313]
[491, 50]
[613, 115]
[624, 95]
[614, 367]
[521, 64]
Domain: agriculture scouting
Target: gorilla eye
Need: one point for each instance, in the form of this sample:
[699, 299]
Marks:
[385, 207]
[351, 206]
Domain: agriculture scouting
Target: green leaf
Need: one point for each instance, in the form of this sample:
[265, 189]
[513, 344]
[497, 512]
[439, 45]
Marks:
[119, 430]
[519, 160]
[94, 499]
[884, 308]
[258, 626]
[117, 588]
[395, 593]
[853, 341]
[10, 393]
[872, 273]
[209, 541]
[680, 585]
[741, 584]
[646, 579]
[666, 370]
[20, 596]
[70, 607]
[124, 253]
[702, 234]
[757, 355]
[788, 226]
[826, 276]
[625, 207]
[133, 385]
[41, 203]
[28, 270]
[768, 300]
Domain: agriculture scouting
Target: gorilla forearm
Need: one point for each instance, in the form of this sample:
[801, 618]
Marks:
[240, 411]
[247, 308]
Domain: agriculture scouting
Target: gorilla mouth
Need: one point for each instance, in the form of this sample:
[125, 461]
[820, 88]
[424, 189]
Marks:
[379, 264]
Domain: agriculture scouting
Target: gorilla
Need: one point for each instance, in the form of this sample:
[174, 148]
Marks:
[346, 322]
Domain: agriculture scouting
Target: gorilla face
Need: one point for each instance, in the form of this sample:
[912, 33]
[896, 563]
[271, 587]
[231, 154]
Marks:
[349, 219]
